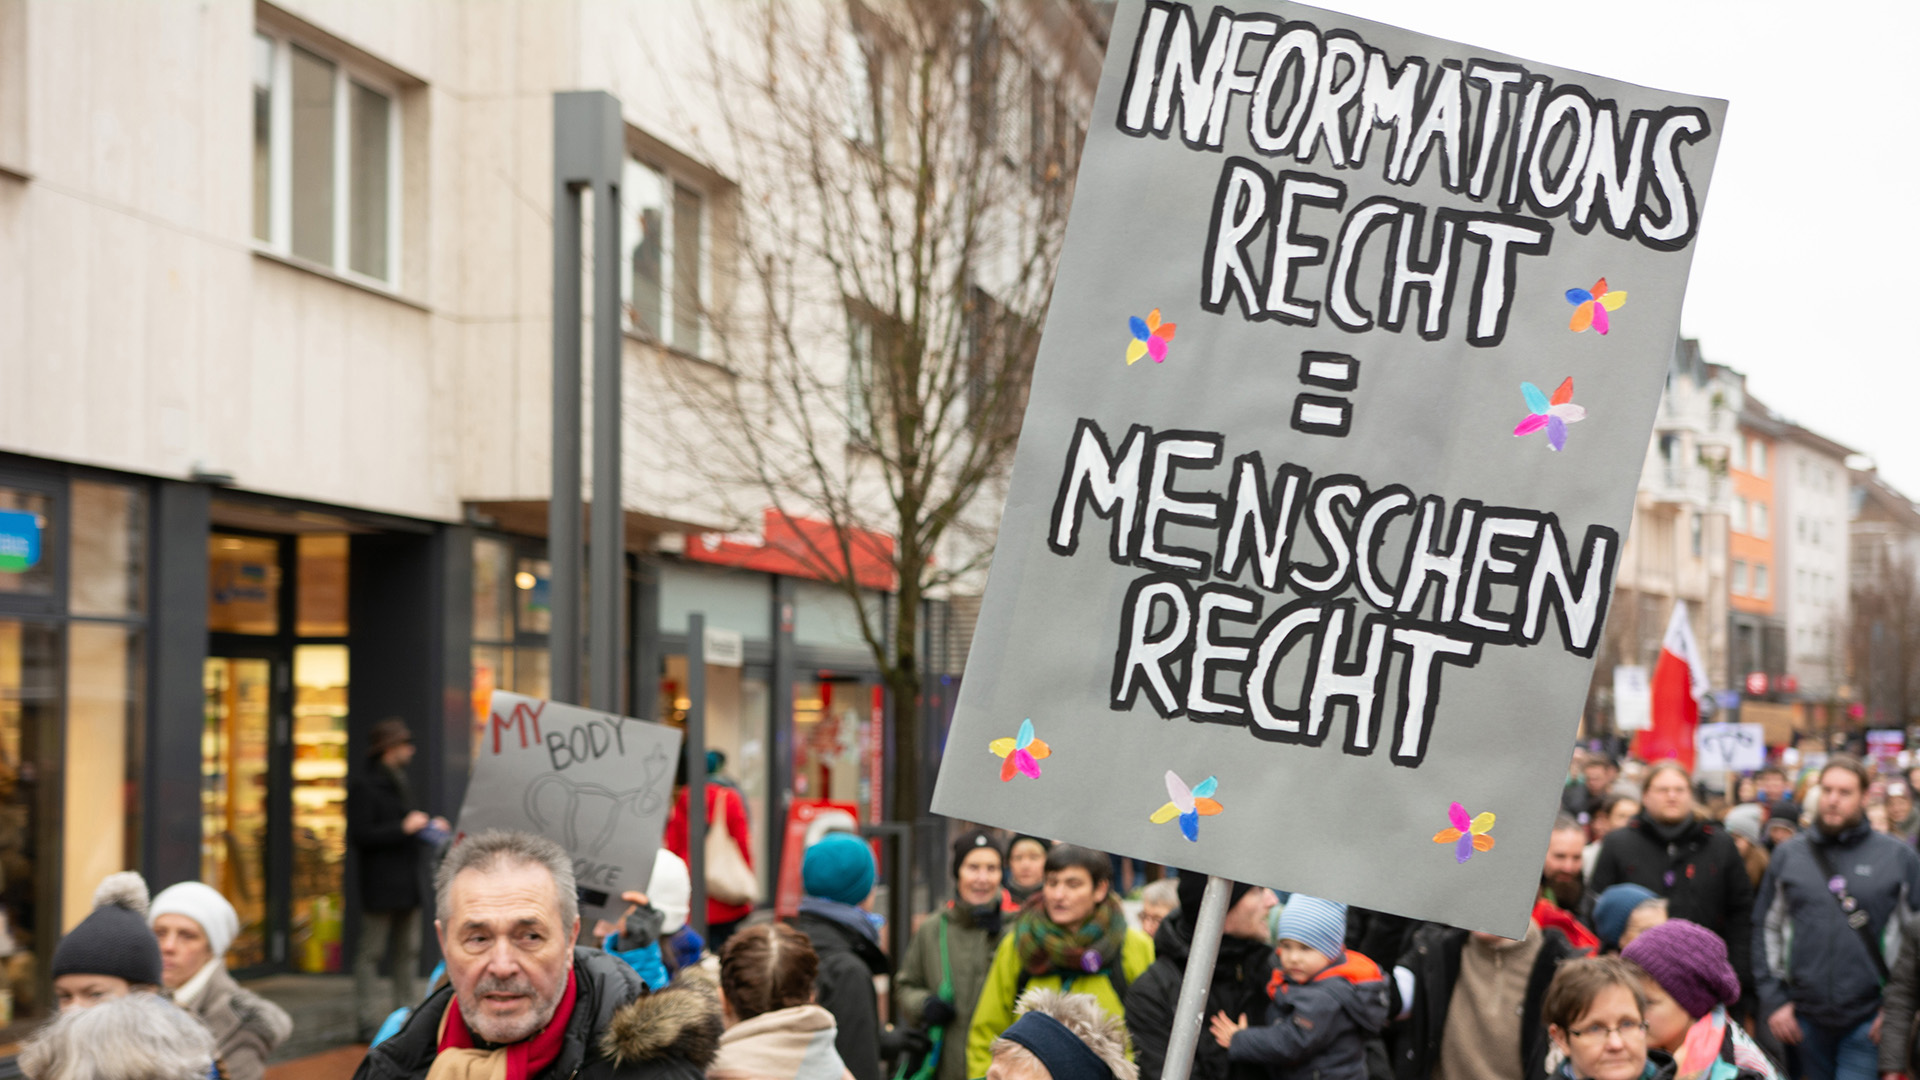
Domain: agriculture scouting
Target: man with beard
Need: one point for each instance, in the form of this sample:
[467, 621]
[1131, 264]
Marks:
[1830, 893]
[1563, 883]
[1690, 861]
[1239, 986]
[523, 1001]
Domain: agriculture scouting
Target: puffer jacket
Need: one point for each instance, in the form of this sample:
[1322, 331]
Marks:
[1804, 952]
[1239, 988]
[245, 1026]
[618, 1031]
[1319, 1030]
[1701, 873]
[969, 952]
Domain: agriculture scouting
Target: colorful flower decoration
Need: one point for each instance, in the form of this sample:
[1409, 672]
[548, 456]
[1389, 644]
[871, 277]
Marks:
[1554, 414]
[1150, 337]
[1188, 804]
[1590, 306]
[1467, 836]
[1023, 752]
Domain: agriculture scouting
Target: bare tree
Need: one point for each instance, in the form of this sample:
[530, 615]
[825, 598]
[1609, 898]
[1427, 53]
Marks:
[904, 173]
[1883, 636]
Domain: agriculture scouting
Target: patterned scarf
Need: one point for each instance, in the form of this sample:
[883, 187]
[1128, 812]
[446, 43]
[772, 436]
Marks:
[1045, 948]
[1699, 1056]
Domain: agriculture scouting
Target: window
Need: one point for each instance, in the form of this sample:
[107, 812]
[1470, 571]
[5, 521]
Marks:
[864, 63]
[1760, 519]
[1737, 454]
[325, 162]
[860, 371]
[1739, 578]
[1738, 516]
[1759, 457]
[1760, 584]
[511, 619]
[1697, 531]
[664, 274]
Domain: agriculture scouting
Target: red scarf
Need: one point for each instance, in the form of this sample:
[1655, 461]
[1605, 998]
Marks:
[526, 1058]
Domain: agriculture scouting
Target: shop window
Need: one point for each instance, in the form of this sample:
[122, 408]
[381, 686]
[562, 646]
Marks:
[29, 824]
[492, 590]
[104, 707]
[27, 542]
[234, 779]
[109, 527]
[839, 743]
[511, 617]
[737, 714]
[319, 804]
[532, 581]
[325, 161]
[243, 585]
[321, 589]
[664, 274]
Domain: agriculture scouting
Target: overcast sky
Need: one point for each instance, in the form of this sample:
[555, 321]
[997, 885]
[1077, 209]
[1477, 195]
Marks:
[1796, 280]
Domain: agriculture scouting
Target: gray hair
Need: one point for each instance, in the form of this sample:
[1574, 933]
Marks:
[1165, 893]
[140, 1036]
[1082, 1015]
[495, 847]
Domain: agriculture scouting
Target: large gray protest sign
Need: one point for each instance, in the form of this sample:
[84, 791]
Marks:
[597, 784]
[1350, 369]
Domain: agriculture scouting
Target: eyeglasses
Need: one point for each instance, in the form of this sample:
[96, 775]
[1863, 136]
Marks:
[1597, 1033]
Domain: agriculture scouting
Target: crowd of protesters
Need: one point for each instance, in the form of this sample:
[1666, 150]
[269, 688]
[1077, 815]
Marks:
[1722, 928]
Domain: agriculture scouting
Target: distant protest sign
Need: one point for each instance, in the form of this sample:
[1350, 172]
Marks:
[597, 784]
[1349, 372]
[1729, 748]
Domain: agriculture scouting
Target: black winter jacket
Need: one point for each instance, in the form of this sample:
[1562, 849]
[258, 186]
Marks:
[618, 1031]
[377, 804]
[1239, 988]
[1317, 1030]
[1701, 874]
[1434, 959]
[1803, 949]
[849, 960]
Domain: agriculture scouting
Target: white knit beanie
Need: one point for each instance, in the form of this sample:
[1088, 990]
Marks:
[203, 904]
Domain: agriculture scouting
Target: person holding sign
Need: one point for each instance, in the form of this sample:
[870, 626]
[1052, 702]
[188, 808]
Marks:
[523, 1002]
[1241, 972]
[1076, 940]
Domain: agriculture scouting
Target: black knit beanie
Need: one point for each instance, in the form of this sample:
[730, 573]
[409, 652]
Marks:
[113, 939]
[1193, 885]
[969, 842]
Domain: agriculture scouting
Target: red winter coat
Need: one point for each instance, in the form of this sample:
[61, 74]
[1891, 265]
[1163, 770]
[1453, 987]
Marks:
[736, 818]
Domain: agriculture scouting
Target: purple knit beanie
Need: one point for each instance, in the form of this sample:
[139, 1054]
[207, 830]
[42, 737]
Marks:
[1689, 962]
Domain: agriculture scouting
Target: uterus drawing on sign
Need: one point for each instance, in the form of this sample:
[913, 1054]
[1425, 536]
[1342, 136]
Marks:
[585, 816]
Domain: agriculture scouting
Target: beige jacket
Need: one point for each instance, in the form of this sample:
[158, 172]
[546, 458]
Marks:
[786, 1044]
[245, 1025]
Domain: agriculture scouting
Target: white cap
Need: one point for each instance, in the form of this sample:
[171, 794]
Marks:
[670, 890]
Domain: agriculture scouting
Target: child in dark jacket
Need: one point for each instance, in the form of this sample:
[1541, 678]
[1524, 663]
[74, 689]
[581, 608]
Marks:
[1327, 1001]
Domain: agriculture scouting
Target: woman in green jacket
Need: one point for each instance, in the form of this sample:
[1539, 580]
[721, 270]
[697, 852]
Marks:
[946, 963]
[1074, 938]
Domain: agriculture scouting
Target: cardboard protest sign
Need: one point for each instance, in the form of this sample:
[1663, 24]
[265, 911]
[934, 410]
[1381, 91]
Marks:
[1729, 748]
[1349, 371]
[597, 784]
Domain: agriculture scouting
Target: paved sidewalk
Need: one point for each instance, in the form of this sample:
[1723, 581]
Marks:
[335, 1064]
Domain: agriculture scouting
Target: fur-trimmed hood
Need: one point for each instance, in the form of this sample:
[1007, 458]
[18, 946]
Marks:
[682, 1021]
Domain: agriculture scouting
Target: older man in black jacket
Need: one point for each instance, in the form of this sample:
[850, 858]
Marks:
[384, 827]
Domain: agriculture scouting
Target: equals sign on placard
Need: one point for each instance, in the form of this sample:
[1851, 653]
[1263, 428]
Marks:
[1324, 414]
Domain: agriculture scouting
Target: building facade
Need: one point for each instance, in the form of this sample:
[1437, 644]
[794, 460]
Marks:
[275, 294]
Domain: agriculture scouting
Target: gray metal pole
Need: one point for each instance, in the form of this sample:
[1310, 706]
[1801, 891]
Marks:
[606, 610]
[589, 151]
[563, 506]
[696, 738]
[1189, 1014]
